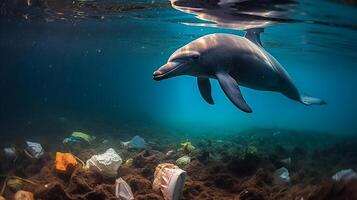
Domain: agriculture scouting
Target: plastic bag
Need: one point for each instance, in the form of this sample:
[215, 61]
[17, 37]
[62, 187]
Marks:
[345, 175]
[281, 176]
[183, 161]
[10, 152]
[170, 180]
[34, 150]
[123, 190]
[136, 143]
[106, 164]
[65, 162]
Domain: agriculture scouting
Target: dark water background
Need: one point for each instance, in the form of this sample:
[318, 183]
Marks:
[88, 65]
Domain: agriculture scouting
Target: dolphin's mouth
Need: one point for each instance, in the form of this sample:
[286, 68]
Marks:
[157, 76]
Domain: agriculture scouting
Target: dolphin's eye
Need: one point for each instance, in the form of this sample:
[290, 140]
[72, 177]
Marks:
[189, 58]
[195, 56]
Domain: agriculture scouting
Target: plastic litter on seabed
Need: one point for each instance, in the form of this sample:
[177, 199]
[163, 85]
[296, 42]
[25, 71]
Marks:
[106, 164]
[183, 161]
[123, 190]
[10, 153]
[281, 176]
[136, 142]
[78, 137]
[345, 175]
[170, 180]
[65, 163]
[34, 150]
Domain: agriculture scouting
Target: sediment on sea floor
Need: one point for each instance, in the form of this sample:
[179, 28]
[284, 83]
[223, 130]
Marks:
[255, 164]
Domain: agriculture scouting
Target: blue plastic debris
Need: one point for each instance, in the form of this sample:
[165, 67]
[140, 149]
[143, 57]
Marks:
[71, 140]
[136, 143]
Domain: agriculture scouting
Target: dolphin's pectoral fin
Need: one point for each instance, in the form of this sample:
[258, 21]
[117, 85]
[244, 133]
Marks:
[254, 35]
[204, 86]
[231, 89]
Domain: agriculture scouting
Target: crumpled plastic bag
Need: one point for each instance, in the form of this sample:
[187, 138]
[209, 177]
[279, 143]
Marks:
[136, 143]
[106, 164]
[183, 161]
[123, 190]
[65, 162]
[170, 180]
[281, 176]
[34, 150]
[345, 175]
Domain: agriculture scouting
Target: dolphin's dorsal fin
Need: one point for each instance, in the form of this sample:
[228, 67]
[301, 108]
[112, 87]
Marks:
[254, 35]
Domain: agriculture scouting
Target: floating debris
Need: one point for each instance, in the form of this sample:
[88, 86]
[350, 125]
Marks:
[106, 164]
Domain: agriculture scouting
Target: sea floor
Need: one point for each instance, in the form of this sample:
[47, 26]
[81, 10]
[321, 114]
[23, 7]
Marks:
[239, 167]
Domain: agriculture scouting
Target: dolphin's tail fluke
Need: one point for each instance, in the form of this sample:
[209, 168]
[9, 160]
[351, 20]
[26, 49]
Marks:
[311, 101]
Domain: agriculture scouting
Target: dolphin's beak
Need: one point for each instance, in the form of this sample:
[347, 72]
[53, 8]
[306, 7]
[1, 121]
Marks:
[166, 71]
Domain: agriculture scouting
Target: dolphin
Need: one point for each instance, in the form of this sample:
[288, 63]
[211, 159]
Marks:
[234, 61]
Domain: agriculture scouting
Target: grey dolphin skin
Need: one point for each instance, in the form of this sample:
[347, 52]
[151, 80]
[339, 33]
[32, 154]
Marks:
[232, 60]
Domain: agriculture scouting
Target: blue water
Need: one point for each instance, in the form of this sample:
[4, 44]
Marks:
[81, 72]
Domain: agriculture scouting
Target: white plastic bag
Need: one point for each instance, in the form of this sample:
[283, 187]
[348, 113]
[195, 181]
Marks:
[123, 190]
[10, 152]
[106, 164]
[34, 150]
[345, 175]
[281, 176]
[170, 180]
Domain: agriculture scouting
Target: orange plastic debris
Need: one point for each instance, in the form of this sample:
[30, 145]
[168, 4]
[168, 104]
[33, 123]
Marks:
[65, 162]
